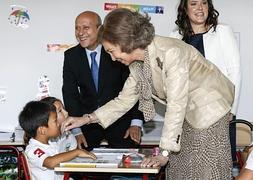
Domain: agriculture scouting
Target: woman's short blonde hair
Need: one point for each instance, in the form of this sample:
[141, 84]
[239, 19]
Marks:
[128, 29]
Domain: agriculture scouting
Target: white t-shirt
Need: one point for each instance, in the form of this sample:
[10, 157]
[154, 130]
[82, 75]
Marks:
[36, 153]
[249, 162]
[65, 142]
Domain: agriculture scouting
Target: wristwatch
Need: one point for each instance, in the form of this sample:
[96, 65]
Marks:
[164, 152]
[92, 118]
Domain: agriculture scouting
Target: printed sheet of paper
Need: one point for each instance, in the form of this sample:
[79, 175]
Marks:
[106, 157]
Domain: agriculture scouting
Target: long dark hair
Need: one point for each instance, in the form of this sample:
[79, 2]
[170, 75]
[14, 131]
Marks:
[183, 22]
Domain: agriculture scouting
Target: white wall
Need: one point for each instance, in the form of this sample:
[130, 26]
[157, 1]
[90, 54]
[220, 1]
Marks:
[239, 15]
[24, 57]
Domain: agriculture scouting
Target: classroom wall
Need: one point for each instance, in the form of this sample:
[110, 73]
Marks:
[24, 56]
[238, 14]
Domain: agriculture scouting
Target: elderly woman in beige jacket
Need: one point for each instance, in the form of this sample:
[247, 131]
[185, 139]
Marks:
[198, 97]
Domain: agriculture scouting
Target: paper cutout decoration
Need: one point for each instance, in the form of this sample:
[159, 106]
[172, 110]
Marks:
[58, 47]
[19, 16]
[43, 87]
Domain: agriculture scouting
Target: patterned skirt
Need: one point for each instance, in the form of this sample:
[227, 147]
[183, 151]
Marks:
[205, 154]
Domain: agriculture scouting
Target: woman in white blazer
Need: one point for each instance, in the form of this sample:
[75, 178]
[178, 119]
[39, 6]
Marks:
[197, 96]
[197, 22]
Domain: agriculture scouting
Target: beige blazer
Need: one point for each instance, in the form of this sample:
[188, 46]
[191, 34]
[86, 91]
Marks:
[222, 50]
[191, 87]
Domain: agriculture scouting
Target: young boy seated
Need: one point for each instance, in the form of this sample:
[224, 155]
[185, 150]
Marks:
[39, 121]
[66, 141]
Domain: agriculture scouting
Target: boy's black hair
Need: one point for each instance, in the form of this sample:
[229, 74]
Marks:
[50, 100]
[34, 115]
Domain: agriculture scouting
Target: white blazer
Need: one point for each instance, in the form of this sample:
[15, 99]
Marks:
[221, 49]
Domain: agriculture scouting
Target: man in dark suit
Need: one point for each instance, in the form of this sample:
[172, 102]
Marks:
[82, 95]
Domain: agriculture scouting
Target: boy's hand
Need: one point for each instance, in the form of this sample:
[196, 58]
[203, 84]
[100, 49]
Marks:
[84, 153]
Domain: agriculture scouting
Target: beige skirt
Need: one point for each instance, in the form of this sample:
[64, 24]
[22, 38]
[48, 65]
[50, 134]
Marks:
[205, 154]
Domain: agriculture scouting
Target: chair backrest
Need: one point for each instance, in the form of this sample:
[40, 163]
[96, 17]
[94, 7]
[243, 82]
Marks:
[25, 166]
[244, 130]
[9, 162]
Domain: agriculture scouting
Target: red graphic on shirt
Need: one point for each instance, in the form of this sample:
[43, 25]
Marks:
[39, 152]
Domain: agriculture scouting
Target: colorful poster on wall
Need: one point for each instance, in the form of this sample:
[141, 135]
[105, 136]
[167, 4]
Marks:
[135, 7]
[19, 16]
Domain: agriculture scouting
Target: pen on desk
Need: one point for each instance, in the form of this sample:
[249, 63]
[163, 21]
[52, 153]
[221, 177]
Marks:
[12, 137]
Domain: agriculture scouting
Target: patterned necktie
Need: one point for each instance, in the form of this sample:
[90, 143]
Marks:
[94, 69]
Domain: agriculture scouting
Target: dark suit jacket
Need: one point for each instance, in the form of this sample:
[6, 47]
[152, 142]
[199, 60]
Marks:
[79, 93]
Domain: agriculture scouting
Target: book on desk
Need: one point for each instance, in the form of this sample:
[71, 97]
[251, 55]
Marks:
[106, 157]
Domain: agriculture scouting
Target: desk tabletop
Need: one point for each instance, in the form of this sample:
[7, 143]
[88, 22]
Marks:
[10, 143]
[110, 170]
[152, 133]
[5, 139]
[108, 162]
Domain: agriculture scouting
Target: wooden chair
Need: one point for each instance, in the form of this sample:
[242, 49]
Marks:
[244, 130]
